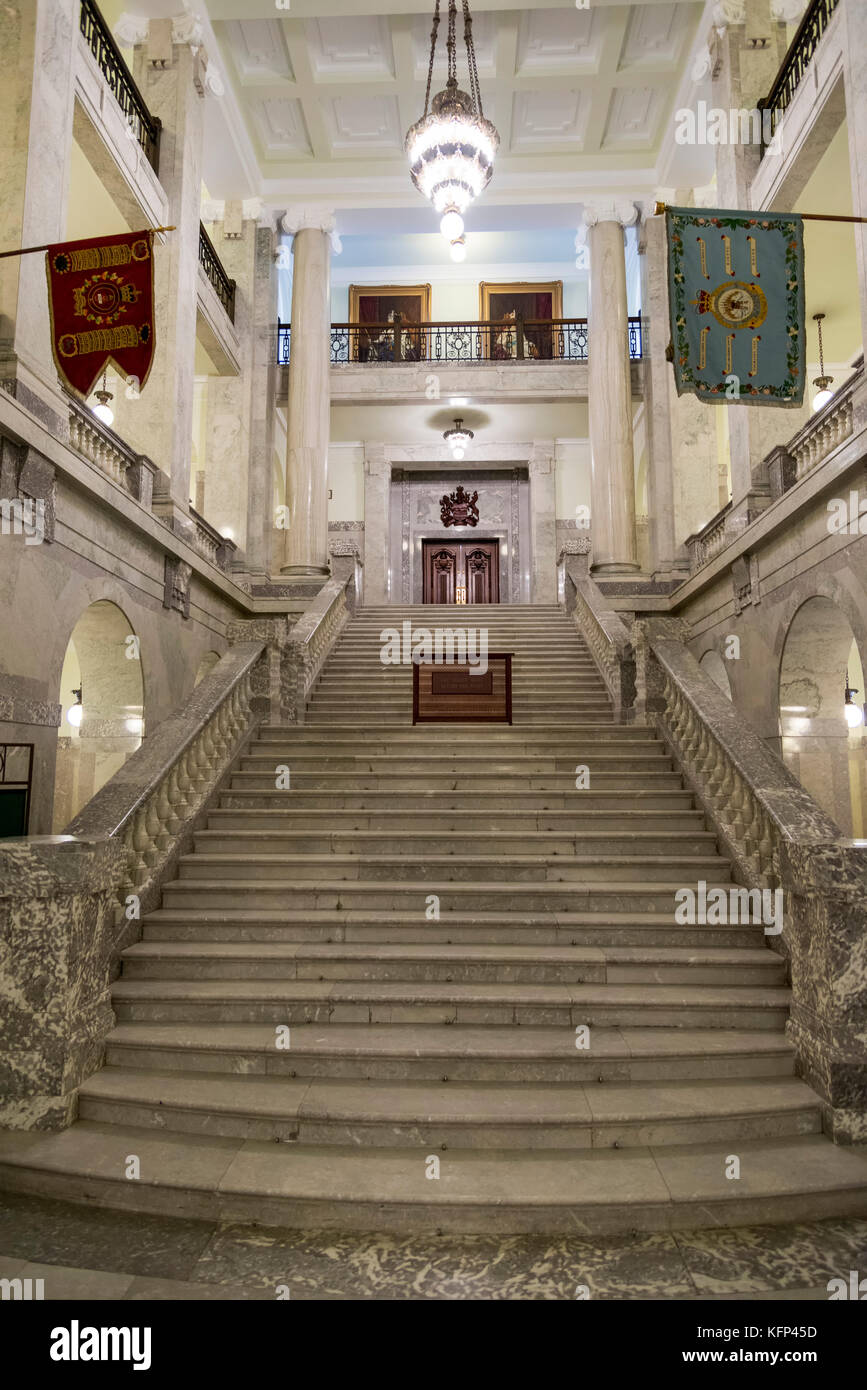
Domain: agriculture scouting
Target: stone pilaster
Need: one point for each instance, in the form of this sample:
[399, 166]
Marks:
[377, 500]
[611, 441]
[309, 412]
[543, 512]
[240, 409]
[169, 67]
[38, 41]
[855, 87]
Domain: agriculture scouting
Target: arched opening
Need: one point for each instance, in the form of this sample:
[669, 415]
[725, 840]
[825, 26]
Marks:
[715, 668]
[823, 740]
[102, 699]
[206, 665]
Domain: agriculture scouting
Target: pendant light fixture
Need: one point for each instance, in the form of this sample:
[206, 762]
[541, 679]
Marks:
[75, 713]
[823, 395]
[458, 439]
[854, 713]
[103, 411]
[451, 149]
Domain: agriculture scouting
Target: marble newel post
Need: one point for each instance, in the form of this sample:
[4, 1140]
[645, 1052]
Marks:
[38, 43]
[309, 415]
[610, 389]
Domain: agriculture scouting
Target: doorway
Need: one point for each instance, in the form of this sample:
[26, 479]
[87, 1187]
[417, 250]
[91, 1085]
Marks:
[461, 572]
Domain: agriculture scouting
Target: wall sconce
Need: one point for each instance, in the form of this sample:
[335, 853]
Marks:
[854, 713]
[75, 713]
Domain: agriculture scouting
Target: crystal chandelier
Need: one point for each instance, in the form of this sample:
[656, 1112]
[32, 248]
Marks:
[451, 150]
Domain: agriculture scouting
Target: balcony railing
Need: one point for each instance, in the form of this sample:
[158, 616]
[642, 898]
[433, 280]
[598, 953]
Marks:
[213, 268]
[463, 344]
[796, 61]
[145, 127]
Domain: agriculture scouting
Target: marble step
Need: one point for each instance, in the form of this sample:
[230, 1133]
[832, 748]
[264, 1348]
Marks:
[466, 733]
[410, 842]
[453, 1115]
[667, 795]
[649, 759]
[364, 1001]
[487, 929]
[518, 869]
[505, 1191]
[369, 718]
[460, 1052]
[450, 963]
[422, 821]
[422, 739]
[412, 895]
[624, 780]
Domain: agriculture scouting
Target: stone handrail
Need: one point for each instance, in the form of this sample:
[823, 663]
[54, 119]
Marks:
[827, 428]
[709, 541]
[209, 542]
[601, 628]
[152, 801]
[310, 641]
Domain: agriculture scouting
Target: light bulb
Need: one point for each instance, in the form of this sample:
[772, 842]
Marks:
[459, 250]
[821, 399]
[103, 413]
[74, 715]
[854, 715]
[452, 225]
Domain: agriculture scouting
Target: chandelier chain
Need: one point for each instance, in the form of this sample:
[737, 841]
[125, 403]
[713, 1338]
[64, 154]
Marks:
[452, 44]
[475, 87]
[434, 33]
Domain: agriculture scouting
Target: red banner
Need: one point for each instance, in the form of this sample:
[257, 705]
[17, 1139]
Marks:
[101, 302]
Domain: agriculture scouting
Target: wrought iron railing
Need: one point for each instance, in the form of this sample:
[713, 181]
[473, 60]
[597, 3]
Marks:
[121, 83]
[473, 341]
[795, 63]
[213, 268]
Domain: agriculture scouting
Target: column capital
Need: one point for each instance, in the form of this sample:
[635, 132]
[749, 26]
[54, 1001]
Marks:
[312, 216]
[162, 35]
[622, 210]
[376, 462]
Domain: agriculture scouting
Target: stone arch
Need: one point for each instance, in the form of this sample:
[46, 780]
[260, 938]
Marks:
[103, 661]
[714, 667]
[817, 744]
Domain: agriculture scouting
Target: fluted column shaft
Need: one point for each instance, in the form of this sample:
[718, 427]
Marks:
[309, 417]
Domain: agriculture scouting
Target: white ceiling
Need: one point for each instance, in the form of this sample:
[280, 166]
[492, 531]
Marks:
[323, 95]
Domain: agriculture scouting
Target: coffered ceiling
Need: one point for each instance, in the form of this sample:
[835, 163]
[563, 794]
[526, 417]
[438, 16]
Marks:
[325, 90]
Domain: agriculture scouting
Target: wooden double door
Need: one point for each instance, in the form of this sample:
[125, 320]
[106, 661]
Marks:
[461, 571]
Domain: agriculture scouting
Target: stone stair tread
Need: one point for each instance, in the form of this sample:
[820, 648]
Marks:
[750, 996]
[355, 916]
[530, 955]
[453, 1041]
[458, 1102]
[506, 860]
[426, 886]
[663, 1186]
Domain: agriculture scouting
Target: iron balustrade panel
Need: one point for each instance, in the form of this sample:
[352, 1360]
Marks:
[461, 344]
[120, 82]
[795, 64]
[213, 268]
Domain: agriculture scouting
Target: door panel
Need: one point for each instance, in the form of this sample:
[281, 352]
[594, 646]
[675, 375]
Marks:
[471, 565]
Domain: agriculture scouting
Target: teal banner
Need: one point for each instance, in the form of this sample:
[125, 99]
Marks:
[736, 297]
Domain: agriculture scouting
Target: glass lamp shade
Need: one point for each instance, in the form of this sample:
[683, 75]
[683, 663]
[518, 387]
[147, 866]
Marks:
[822, 398]
[457, 452]
[452, 225]
[103, 413]
[854, 714]
[458, 250]
[451, 152]
[74, 715]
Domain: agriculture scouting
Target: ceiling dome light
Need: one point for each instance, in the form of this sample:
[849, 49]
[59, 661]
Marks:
[451, 149]
[458, 251]
[458, 439]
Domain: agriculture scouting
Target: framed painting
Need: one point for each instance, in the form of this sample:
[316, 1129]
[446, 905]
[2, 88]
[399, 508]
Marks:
[504, 305]
[375, 309]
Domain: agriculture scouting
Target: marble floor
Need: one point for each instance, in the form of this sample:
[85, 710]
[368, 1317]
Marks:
[84, 1253]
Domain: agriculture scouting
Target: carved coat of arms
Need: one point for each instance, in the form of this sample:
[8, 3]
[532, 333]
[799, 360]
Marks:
[460, 508]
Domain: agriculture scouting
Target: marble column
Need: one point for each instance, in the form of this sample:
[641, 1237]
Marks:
[377, 507]
[169, 67]
[309, 410]
[666, 557]
[38, 43]
[240, 409]
[612, 518]
[543, 512]
[855, 87]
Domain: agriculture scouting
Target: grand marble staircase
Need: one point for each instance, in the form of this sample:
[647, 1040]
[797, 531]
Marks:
[416, 1035]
